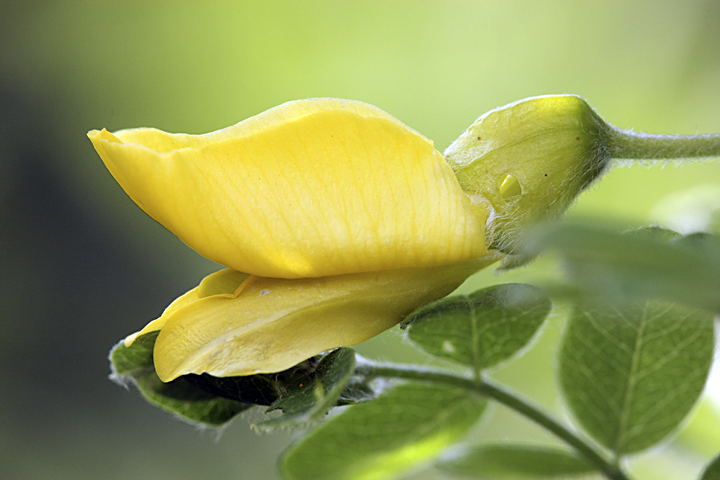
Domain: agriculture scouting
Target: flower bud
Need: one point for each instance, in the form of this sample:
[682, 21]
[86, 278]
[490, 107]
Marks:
[526, 162]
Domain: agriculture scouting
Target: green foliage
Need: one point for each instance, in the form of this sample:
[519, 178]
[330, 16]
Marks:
[509, 462]
[303, 393]
[630, 375]
[712, 471]
[263, 389]
[627, 267]
[403, 428]
[631, 366]
[310, 398]
[180, 397]
[481, 329]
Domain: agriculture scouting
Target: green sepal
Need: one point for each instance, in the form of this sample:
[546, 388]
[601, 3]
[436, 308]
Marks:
[180, 397]
[310, 398]
[357, 390]
[263, 389]
[303, 393]
[527, 161]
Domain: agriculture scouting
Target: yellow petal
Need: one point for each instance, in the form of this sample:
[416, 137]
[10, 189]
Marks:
[310, 188]
[226, 283]
[273, 324]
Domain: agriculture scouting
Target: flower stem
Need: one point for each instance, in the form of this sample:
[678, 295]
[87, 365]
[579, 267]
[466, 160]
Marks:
[500, 395]
[626, 144]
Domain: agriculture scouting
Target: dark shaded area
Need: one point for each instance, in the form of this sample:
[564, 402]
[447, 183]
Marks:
[73, 284]
[69, 289]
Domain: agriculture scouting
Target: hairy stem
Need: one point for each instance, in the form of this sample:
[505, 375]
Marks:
[500, 395]
[626, 144]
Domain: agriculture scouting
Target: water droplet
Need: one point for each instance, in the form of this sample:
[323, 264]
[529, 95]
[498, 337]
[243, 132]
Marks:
[448, 347]
[510, 187]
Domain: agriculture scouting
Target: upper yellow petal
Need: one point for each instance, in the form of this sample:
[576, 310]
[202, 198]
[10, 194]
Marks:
[273, 324]
[310, 188]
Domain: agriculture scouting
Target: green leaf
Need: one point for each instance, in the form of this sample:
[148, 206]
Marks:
[481, 329]
[402, 429]
[630, 375]
[505, 462]
[653, 232]
[712, 471]
[309, 399]
[626, 267]
[180, 397]
[263, 389]
[304, 392]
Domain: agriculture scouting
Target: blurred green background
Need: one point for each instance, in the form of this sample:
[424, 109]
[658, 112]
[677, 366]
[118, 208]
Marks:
[81, 266]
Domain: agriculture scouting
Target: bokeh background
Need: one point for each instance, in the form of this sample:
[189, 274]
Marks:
[81, 266]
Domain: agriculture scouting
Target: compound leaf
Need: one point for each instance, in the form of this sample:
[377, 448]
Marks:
[402, 429]
[649, 263]
[514, 462]
[630, 375]
[712, 471]
[481, 329]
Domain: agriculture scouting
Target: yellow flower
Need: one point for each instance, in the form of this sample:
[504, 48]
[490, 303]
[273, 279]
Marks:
[341, 218]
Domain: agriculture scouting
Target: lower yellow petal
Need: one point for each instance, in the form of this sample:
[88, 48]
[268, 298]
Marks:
[273, 324]
[225, 283]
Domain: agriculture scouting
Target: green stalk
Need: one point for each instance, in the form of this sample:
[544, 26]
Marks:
[500, 395]
[626, 144]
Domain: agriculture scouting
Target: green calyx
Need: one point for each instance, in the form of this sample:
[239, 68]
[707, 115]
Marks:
[526, 162]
